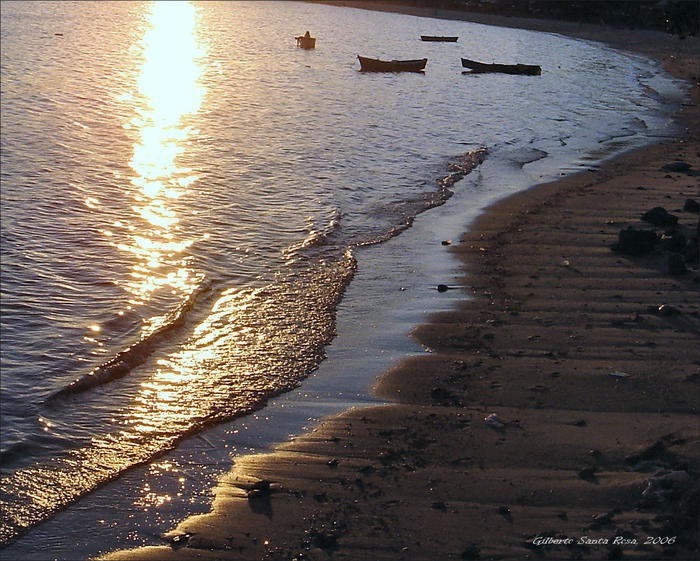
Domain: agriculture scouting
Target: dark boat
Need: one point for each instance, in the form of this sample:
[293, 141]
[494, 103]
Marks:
[306, 41]
[438, 38]
[376, 65]
[480, 67]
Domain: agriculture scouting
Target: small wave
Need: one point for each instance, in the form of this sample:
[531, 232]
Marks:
[458, 168]
[125, 361]
[462, 166]
[316, 236]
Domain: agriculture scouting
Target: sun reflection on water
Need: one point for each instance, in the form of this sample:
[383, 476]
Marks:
[169, 88]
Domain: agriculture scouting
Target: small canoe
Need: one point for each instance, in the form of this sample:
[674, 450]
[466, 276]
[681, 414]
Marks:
[480, 67]
[306, 42]
[376, 65]
[438, 38]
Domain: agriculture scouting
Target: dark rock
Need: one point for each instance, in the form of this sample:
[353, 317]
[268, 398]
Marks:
[635, 242]
[179, 540]
[442, 288]
[600, 520]
[440, 394]
[691, 206]
[663, 310]
[677, 167]
[587, 473]
[580, 423]
[471, 551]
[257, 494]
[659, 216]
[654, 452]
[504, 511]
[675, 264]
[692, 251]
[439, 505]
[262, 485]
[675, 242]
[323, 540]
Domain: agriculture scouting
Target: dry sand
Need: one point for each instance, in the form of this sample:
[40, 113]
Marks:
[557, 314]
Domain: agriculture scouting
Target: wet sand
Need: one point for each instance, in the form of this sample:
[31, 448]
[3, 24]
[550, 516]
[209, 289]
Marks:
[596, 388]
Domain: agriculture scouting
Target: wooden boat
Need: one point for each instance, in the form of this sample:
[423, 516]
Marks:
[306, 41]
[479, 67]
[438, 38]
[376, 65]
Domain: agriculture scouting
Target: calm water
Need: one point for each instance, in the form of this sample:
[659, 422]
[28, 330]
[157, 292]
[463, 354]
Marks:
[184, 193]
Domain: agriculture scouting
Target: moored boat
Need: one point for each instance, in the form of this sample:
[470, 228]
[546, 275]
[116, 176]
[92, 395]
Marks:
[376, 65]
[439, 38]
[481, 67]
[306, 41]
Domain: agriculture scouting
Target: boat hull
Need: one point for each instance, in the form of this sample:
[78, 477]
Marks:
[376, 65]
[440, 39]
[481, 67]
[306, 42]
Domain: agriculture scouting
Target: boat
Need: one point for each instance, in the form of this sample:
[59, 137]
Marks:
[376, 65]
[480, 67]
[306, 41]
[438, 38]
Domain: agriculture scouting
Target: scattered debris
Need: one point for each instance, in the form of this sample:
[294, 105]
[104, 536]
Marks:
[494, 421]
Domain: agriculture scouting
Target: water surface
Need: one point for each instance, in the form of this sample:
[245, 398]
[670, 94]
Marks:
[184, 194]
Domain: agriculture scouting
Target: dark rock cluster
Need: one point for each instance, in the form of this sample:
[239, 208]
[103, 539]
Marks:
[664, 236]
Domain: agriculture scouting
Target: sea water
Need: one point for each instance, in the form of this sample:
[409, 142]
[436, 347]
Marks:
[187, 197]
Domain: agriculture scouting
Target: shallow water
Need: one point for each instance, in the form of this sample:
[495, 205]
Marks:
[184, 193]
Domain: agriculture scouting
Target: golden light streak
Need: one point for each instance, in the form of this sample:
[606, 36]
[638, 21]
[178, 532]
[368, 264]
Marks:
[169, 89]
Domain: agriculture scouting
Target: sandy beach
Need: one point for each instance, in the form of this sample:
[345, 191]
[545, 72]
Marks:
[553, 416]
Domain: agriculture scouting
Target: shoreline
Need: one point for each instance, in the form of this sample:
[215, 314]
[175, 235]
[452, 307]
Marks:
[426, 478]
